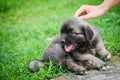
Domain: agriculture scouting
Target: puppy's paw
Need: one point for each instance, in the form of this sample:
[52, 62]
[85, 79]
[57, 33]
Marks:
[104, 67]
[81, 72]
[108, 56]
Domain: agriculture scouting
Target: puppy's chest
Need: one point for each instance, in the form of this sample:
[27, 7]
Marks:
[85, 48]
[82, 51]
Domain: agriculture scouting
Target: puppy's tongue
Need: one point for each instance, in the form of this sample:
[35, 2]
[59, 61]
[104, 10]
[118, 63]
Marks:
[68, 48]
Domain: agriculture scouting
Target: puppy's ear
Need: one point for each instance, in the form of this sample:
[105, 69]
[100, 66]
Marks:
[88, 33]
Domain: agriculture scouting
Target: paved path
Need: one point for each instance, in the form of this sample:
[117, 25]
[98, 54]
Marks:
[112, 74]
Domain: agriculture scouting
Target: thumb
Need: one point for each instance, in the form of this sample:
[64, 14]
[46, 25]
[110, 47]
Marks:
[84, 17]
[79, 12]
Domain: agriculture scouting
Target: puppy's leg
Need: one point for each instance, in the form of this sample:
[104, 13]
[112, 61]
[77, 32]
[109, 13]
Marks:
[100, 48]
[92, 61]
[72, 66]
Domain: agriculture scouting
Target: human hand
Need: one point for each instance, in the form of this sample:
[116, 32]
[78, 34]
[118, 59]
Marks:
[87, 11]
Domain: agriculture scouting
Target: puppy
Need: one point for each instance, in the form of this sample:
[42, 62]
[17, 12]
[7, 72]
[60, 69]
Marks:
[74, 48]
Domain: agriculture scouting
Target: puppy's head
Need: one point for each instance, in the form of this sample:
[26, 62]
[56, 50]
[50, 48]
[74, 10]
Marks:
[75, 34]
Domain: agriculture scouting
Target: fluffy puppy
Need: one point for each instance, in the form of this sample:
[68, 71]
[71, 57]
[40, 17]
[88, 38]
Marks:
[74, 48]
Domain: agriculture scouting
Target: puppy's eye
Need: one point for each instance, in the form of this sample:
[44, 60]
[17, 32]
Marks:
[74, 33]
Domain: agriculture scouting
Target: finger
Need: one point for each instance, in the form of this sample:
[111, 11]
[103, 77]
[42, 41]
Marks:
[79, 12]
[84, 17]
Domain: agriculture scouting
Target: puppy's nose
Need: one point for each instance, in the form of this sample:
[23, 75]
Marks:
[62, 40]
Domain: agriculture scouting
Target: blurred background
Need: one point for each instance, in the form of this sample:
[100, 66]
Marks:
[27, 27]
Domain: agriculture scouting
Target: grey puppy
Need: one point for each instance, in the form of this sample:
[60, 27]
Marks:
[74, 48]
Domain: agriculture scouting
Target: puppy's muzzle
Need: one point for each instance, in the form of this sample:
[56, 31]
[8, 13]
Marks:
[63, 41]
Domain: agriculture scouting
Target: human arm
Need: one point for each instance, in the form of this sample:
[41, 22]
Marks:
[88, 11]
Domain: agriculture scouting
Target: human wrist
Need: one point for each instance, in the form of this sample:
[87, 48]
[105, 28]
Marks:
[107, 4]
[104, 7]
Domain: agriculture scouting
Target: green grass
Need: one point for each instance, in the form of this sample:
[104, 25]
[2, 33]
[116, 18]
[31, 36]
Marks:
[26, 25]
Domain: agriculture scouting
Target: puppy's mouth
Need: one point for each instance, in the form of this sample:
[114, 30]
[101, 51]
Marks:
[68, 48]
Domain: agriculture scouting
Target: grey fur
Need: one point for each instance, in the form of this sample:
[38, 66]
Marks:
[35, 64]
[85, 41]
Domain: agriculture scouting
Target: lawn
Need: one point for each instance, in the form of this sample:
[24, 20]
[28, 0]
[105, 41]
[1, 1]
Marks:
[27, 25]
